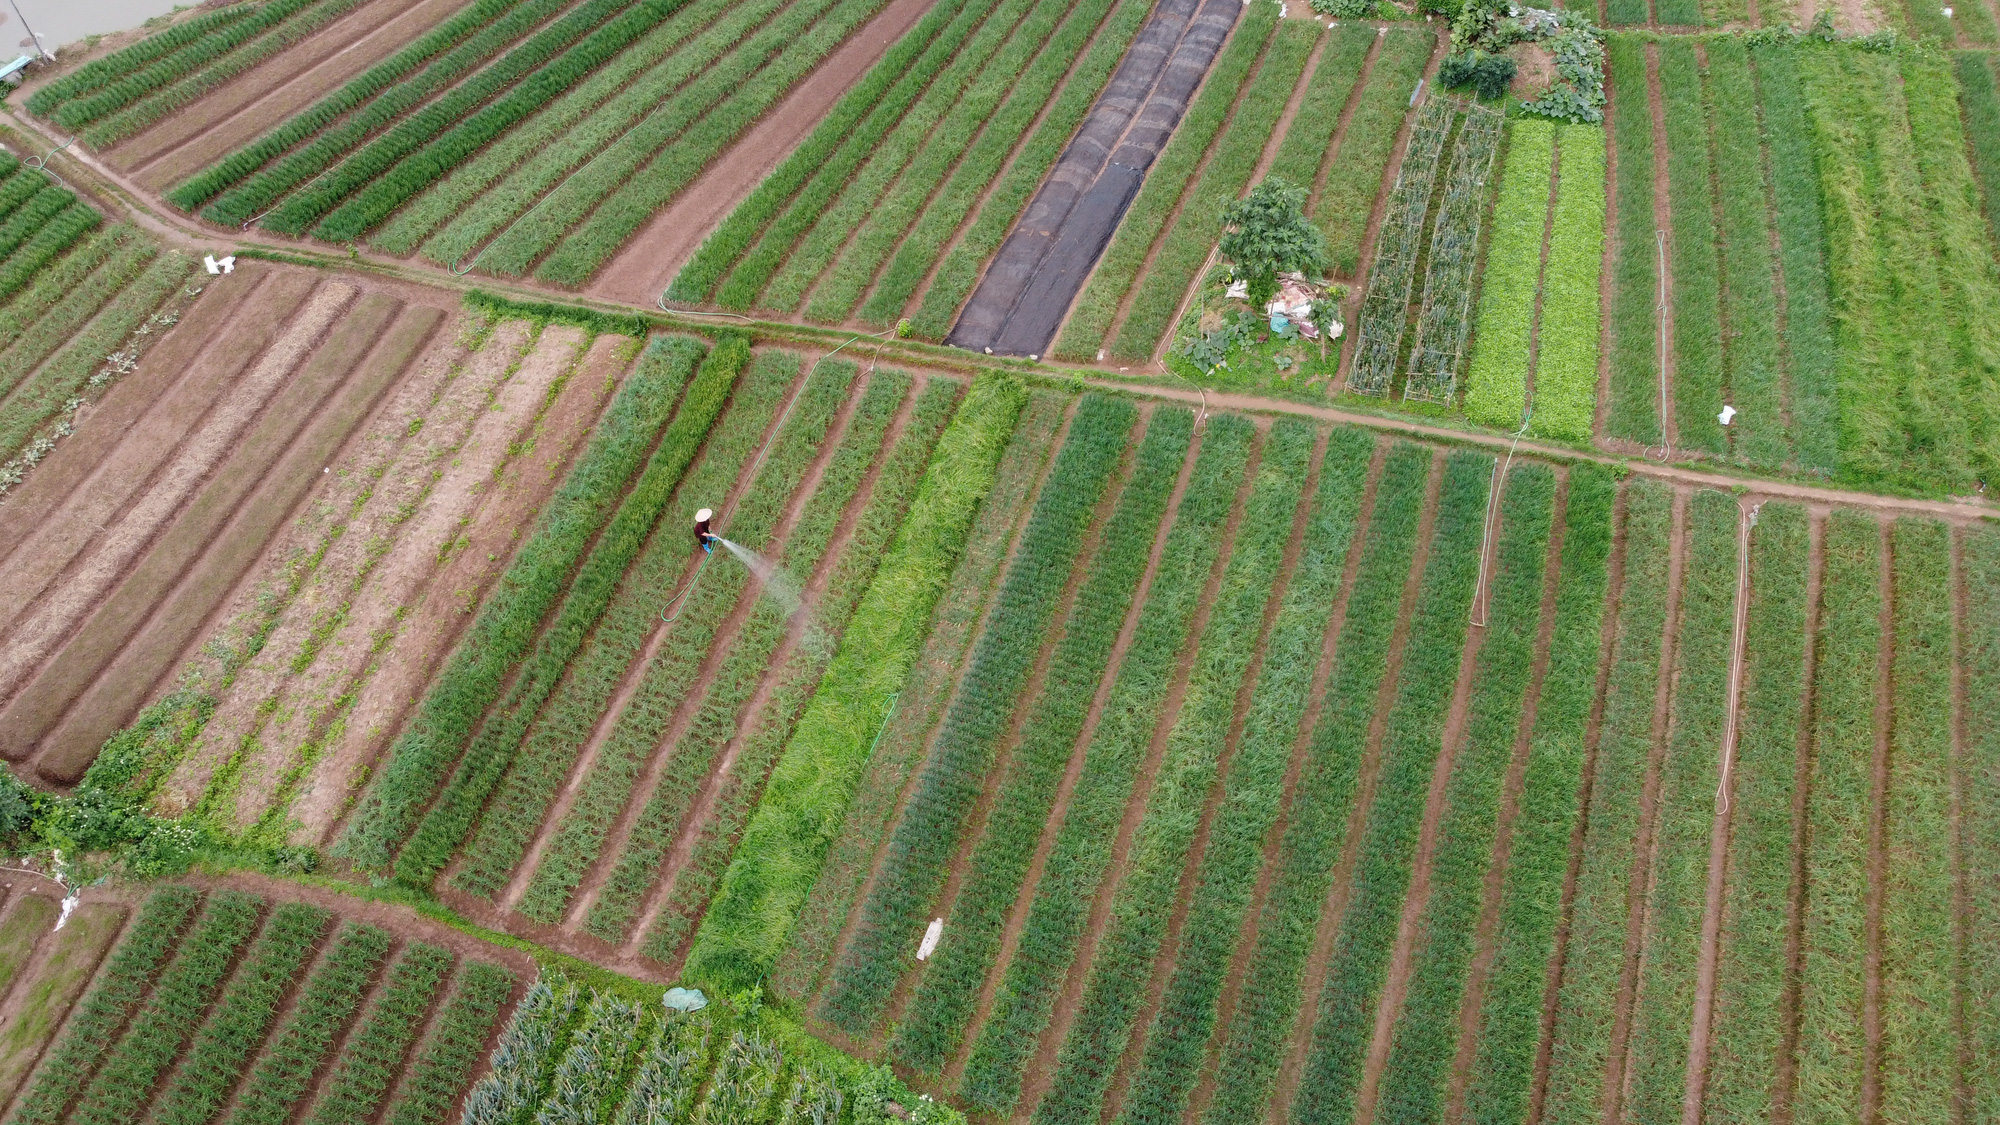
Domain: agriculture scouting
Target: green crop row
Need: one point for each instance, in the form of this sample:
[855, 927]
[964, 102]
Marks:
[817, 840]
[16, 184]
[744, 1079]
[240, 164]
[1144, 903]
[1839, 821]
[27, 260]
[162, 1027]
[1510, 1016]
[1176, 1039]
[41, 202]
[1756, 378]
[528, 1050]
[468, 205]
[254, 178]
[861, 114]
[716, 714]
[1566, 361]
[603, 206]
[1084, 843]
[876, 526]
[1920, 1060]
[676, 666]
[1302, 152]
[331, 993]
[1700, 386]
[500, 638]
[946, 211]
[1982, 126]
[949, 983]
[65, 376]
[568, 1087]
[1355, 180]
[1979, 583]
[1186, 246]
[672, 677]
[1011, 192]
[444, 827]
[99, 73]
[1634, 412]
[1594, 958]
[1006, 31]
[88, 289]
[453, 1046]
[368, 1063]
[962, 752]
[665, 1086]
[1315, 833]
[1411, 741]
[515, 80]
[1165, 183]
[98, 1019]
[1684, 813]
[1424, 1039]
[1496, 392]
[182, 79]
[1747, 1036]
[242, 1016]
[1036, 43]
[56, 282]
[804, 201]
[545, 756]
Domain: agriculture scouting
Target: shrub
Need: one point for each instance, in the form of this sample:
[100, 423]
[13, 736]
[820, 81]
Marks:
[1475, 70]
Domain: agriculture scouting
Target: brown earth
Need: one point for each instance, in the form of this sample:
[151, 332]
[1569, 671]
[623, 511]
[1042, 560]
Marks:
[1041, 1070]
[1292, 1069]
[1239, 963]
[1535, 70]
[640, 272]
[50, 982]
[450, 595]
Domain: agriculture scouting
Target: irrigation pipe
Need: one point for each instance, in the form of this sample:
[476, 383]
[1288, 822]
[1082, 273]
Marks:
[281, 199]
[41, 163]
[1744, 523]
[1481, 597]
[1660, 309]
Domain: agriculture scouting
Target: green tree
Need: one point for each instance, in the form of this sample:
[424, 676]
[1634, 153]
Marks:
[1268, 234]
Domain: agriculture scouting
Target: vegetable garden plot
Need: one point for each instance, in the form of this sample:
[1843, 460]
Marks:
[1444, 321]
[1385, 309]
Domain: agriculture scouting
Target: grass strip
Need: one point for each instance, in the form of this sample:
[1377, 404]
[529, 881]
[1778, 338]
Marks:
[373, 1055]
[1756, 378]
[1701, 385]
[663, 685]
[1566, 362]
[1186, 248]
[1656, 1059]
[124, 1085]
[1410, 745]
[483, 194]
[1082, 849]
[887, 507]
[1839, 820]
[328, 999]
[1802, 256]
[1144, 903]
[894, 158]
[1920, 1059]
[715, 717]
[962, 753]
[1496, 392]
[94, 1027]
[678, 363]
[500, 638]
[1316, 828]
[1634, 412]
[242, 1015]
[1424, 1040]
[1747, 1036]
[252, 180]
[452, 1048]
[838, 843]
[1178, 1034]
[949, 982]
[1510, 1017]
[1594, 959]
[1165, 184]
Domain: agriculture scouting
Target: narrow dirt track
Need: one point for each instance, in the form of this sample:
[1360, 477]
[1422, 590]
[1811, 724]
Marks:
[449, 595]
[1039, 1072]
[640, 272]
